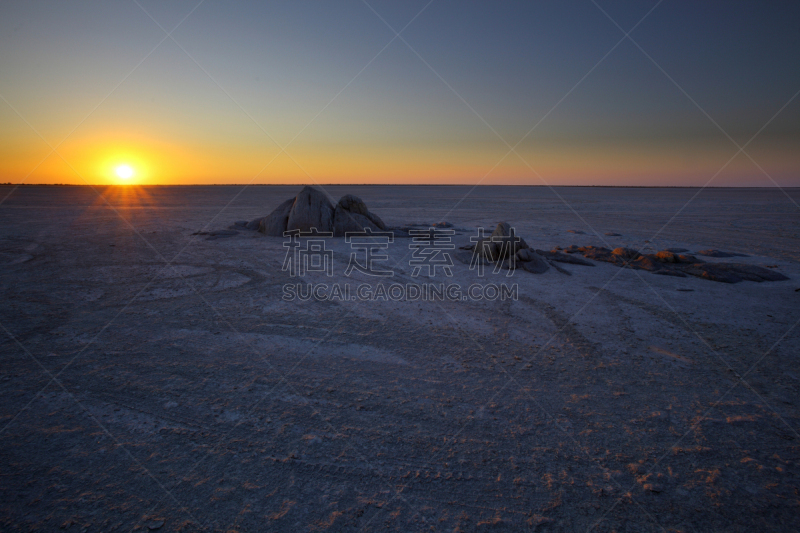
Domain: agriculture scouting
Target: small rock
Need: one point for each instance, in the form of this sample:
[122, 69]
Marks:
[155, 524]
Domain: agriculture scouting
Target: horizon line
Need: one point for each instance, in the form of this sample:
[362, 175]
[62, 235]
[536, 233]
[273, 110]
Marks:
[10, 184]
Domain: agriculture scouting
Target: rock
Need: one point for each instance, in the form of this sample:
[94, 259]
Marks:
[221, 234]
[647, 262]
[487, 249]
[536, 264]
[526, 254]
[665, 256]
[509, 264]
[555, 255]
[612, 234]
[506, 244]
[467, 258]
[598, 253]
[625, 254]
[276, 222]
[719, 253]
[677, 250]
[653, 487]
[733, 272]
[561, 269]
[241, 224]
[311, 209]
[255, 223]
[375, 219]
[689, 259]
[353, 204]
[576, 231]
[503, 229]
[348, 222]
[668, 263]
[442, 225]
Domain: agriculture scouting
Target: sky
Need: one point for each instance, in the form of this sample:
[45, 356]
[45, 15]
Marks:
[501, 92]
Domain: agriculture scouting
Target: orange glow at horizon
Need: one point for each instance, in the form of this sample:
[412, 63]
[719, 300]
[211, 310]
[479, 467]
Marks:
[97, 159]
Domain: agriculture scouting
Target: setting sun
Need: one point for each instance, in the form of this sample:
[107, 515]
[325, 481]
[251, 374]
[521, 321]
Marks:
[124, 172]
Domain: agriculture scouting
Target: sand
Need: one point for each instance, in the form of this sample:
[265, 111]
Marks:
[191, 396]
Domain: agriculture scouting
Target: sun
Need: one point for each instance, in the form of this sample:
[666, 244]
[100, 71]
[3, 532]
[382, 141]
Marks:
[124, 172]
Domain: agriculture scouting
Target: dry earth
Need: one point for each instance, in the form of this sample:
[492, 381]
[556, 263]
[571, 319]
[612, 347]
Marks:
[138, 395]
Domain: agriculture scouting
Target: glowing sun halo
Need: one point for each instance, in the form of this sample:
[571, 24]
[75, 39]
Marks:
[124, 172]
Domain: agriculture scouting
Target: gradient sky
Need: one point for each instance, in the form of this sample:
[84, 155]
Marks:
[327, 82]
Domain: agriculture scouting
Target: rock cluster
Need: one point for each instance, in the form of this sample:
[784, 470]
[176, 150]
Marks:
[312, 209]
[670, 263]
[503, 246]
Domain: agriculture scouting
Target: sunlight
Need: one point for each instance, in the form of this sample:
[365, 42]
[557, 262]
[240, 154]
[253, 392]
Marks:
[124, 172]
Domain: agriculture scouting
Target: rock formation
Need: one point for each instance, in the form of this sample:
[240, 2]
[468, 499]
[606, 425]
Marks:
[312, 209]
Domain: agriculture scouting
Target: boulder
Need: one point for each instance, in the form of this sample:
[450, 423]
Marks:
[503, 229]
[375, 219]
[536, 265]
[311, 209]
[355, 205]
[526, 254]
[276, 222]
[348, 222]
